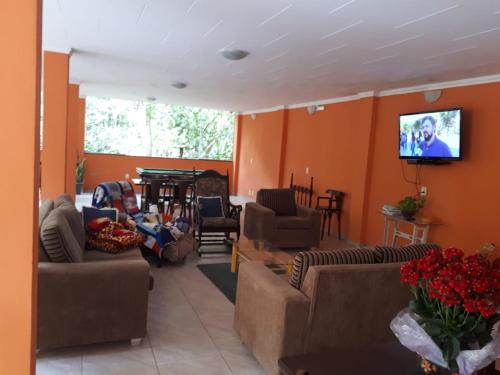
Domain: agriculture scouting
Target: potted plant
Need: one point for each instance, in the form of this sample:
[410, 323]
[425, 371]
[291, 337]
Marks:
[409, 206]
[80, 173]
[452, 321]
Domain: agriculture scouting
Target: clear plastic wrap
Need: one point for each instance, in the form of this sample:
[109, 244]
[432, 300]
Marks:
[414, 337]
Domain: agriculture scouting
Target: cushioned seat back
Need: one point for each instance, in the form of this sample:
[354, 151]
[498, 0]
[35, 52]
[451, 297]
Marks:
[385, 254]
[62, 233]
[212, 184]
[306, 259]
[44, 211]
[281, 201]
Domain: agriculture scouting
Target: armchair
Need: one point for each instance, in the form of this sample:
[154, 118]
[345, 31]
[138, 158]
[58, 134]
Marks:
[275, 218]
[210, 184]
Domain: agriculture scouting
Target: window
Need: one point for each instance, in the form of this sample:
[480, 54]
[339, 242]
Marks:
[115, 126]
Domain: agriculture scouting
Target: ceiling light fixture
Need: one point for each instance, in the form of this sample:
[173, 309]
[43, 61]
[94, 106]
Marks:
[234, 54]
[312, 109]
[432, 96]
[179, 85]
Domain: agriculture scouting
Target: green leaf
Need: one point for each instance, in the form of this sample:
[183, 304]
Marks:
[432, 329]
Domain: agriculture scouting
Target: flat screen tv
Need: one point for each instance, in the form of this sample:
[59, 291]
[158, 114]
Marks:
[430, 137]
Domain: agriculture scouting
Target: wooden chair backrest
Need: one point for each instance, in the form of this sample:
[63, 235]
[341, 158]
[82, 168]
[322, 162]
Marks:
[303, 194]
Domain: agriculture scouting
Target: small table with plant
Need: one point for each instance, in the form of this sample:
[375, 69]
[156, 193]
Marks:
[405, 212]
[418, 234]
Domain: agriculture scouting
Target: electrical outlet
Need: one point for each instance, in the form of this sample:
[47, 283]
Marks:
[307, 170]
[423, 191]
[127, 176]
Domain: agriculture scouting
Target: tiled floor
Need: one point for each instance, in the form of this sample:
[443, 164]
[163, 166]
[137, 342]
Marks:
[189, 330]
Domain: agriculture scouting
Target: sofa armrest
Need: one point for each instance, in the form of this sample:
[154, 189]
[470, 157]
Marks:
[270, 315]
[88, 302]
[258, 221]
[311, 213]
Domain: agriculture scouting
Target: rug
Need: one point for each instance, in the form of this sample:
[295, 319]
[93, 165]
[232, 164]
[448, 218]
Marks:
[221, 276]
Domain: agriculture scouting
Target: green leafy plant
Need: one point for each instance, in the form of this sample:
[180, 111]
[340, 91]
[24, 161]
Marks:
[80, 169]
[410, 205]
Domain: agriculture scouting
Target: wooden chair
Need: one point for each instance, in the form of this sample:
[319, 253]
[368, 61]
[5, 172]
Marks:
[329, 205]
[210, 229]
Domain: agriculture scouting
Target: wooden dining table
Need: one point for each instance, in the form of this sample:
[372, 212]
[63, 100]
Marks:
[166, 173]
[173, 176]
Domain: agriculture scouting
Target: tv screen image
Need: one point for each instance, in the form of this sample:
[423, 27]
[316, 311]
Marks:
[430, 135]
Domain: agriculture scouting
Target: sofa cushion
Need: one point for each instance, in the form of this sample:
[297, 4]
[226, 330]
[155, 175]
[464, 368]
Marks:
[292, 222]
[58, 238]
[97, 256]
[75, 221]
[306, 259]
[44, 211]
[386, 254]
[64, 200]
[281, 201]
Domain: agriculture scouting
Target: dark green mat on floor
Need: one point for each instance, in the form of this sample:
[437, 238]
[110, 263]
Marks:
[221, 276]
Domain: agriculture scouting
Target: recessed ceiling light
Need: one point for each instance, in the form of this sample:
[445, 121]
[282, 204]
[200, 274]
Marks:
[179, 85]
[234, 54]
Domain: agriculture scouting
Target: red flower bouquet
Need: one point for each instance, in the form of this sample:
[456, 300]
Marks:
[451, 320]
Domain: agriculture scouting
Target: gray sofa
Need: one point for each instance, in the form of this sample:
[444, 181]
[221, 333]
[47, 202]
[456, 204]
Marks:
[86, 296]
[338, 298]
[276, 218]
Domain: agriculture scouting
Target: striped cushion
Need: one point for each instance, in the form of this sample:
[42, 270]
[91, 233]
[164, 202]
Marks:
[384, 254]
[281, 201]
[58, 239]
[306, 259]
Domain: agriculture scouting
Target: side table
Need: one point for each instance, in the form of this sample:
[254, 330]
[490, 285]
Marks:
[419, 233]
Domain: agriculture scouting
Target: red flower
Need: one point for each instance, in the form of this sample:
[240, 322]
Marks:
[453, 254]
[409, 274]
[486, 308]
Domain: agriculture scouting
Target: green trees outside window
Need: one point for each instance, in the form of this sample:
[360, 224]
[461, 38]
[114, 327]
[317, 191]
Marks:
[115, 126]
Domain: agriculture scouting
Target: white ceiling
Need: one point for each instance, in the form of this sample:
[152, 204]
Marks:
[300, 50]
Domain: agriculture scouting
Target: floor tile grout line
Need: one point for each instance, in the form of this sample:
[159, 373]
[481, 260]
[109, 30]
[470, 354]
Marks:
[205, 328]
[153, 352]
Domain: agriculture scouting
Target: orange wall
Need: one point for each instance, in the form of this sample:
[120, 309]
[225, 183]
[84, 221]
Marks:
[334, 145]
[73, 138]
[107, 167]
[55, 104]
[20, 38]
[81, 127]
[236, 152]
[463, 195]
[260, 152]
[352, 146]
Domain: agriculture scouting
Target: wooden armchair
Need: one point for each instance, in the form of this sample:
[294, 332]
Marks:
[329, 205]
[214, 229]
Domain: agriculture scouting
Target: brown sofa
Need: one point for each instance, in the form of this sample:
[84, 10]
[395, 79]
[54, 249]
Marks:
[276, 219]
[86, 296]
[336, 304]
